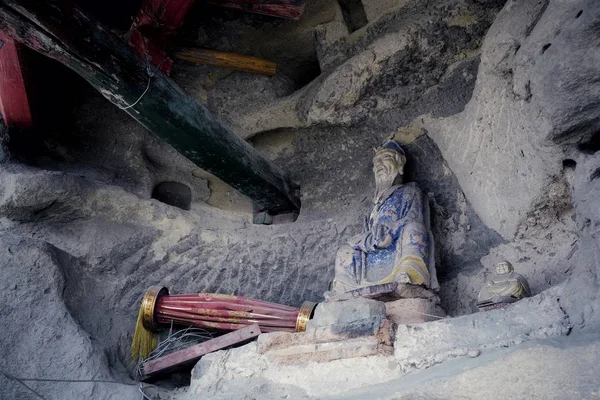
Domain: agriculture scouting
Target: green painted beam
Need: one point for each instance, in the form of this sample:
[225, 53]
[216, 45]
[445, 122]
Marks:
[150, 97]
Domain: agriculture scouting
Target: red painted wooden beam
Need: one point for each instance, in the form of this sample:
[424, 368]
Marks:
[13, 97]
[192, 354]
[154, 26]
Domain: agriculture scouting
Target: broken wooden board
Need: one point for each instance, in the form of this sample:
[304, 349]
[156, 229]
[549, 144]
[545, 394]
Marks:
[150, 97]
[177, 359]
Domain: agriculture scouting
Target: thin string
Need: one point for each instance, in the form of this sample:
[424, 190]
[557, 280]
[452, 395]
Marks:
[421, 313]
[150, 76]
[23, 380]
[24, 384]
[66, 380]
[144, 396]
[138, 100]
[175, 340]
[71, 380]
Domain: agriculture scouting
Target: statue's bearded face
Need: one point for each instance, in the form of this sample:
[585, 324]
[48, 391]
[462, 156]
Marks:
[387, 165]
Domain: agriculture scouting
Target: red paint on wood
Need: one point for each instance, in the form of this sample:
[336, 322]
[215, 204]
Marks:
[296, 3]
[13, 97]
[154, 26]
[193, 353]
[289, 9]
[164, 15]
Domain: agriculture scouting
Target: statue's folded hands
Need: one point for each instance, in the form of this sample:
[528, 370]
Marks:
[378, 237]
[383, 238]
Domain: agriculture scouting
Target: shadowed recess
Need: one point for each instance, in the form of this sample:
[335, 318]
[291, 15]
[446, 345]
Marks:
[174, 194]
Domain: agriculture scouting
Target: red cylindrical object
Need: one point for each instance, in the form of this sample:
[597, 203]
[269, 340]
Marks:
[224, 312]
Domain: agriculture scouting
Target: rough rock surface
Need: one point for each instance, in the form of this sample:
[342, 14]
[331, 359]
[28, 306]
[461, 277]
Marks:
[580, 292]
[101, 143]
[513, 373]
[502, 374]
[215, 371]
[532, 69]
[502, 133]
[41, 337]
[422, 345]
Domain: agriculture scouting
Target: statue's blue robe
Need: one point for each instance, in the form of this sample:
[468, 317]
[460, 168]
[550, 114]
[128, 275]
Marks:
[403, 215]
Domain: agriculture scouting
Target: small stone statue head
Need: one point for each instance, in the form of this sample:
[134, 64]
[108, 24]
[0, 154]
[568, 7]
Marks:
[388, 167]
[504, 268]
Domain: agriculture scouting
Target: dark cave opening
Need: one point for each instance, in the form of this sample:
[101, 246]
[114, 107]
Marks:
[354, 14]
[174, 194]
[591, 145]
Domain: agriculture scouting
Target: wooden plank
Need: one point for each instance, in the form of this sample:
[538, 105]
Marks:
[150, 97]
[289, 9]
[228, 60]
[13, 96]
[192, 354]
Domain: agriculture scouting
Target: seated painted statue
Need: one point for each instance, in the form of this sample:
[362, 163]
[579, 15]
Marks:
[505, 287]
[397, 245]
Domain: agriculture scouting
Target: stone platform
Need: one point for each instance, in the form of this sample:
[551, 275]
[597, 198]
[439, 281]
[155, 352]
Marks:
[338, 330]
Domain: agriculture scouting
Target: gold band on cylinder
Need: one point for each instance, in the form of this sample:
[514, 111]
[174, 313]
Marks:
[304, 315]
[149, 303]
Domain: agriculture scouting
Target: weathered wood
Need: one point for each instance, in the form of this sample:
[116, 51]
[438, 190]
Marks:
[289, 9]
[149, 96]
[154, 26]
[228, 60]
[192, 354]
[163, 17]
[13, 96]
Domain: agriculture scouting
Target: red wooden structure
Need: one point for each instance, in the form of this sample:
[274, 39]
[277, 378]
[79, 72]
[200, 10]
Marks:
[154, 26]
[13, 96]
[224, 312]
[289, 9]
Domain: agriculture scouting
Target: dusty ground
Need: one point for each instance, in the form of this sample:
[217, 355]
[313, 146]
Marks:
[499, 128]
